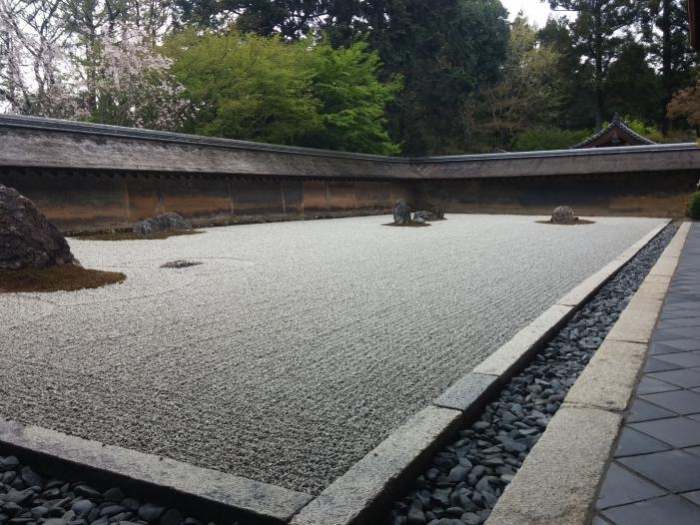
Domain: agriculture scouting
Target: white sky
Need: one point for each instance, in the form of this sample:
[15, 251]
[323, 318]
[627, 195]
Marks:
[534, 10]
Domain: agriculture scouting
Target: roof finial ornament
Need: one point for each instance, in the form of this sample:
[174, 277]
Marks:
[616, 118]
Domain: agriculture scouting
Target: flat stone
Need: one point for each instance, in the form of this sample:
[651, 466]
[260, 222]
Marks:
[469, 393]
[678, 431]
[644, 411]
[634, 326]
[352, 495]
[680, 401]
[513, 354]
[560, 476]
[657, 365]
[681, 359]
[665, 267]
[610, 378]
[674, 470]
[649, 385]
[621, 487]
[667, 510]
[683, 345]
[255, 497]
[633, 443]
[591, 285]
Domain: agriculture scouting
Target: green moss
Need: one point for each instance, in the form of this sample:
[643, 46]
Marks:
[66, 277]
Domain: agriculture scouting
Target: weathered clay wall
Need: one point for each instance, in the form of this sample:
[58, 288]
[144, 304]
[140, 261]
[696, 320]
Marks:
[651, 194]
[88, 177]
[95, 200]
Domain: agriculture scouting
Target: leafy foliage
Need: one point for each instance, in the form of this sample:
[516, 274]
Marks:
[686, 103]
[692, 209]
[250, 87]
[543, 138]
[352, 99]
[527, 96]
[597, 34]
[245, 86]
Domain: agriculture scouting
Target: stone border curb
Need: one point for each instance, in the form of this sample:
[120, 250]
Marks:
[559, 480]
[355, 497]
[205, 491]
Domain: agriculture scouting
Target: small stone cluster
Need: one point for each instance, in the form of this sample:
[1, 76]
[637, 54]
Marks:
[27, 498]
[466, 478]
[563, 214]
[402, 214]
[164, 222]
[27, 238]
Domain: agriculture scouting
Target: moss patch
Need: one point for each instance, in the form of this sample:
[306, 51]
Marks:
[131, 236]
[577, 222]
[65, 277]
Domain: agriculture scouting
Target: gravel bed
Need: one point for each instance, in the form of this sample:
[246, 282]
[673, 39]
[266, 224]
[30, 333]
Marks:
[28, 498]
[294, 348]
[466, 478]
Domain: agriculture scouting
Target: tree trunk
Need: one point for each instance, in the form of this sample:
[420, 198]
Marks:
[666, 59]
[598, 70]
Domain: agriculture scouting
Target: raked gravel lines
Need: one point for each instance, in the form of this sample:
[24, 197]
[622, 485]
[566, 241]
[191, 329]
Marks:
[296, 347]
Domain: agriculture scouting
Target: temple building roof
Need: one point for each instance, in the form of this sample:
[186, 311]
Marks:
[617, 133]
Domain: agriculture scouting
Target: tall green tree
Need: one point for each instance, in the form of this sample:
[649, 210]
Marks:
[632, 87]
[444, 51]
[527, 96]
[599, 31]
[574, 75]
[663, 25]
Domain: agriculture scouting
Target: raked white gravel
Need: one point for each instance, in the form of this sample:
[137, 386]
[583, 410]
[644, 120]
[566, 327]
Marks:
[296, 347]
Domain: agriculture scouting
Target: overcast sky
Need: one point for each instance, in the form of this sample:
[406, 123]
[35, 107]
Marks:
[535, 10]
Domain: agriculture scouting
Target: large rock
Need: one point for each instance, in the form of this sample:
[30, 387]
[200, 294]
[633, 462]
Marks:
[165, 222]
[563, 214]
[402, 213]
[27, 238]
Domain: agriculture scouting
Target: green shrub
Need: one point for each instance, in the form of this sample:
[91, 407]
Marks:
[692, 209]
[537, 139]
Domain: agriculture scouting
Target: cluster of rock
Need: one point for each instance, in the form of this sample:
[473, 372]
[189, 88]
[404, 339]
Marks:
[27, 238]
[563, 214]
[27, 498]
[164, 222]
[465, 479]
[402, 214]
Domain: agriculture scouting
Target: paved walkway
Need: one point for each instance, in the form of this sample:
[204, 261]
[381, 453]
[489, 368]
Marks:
[655, 475]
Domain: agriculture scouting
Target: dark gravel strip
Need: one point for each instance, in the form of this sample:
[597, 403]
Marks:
[466, 478]
[28, 498]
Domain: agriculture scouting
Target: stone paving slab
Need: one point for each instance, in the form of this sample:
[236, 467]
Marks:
[659, 444]
[296, 348]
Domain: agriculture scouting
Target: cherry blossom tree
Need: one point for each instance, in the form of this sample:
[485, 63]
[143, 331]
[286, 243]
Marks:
[88, 60]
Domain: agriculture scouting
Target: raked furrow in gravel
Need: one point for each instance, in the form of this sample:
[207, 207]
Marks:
[466, 478]
[295, 348]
